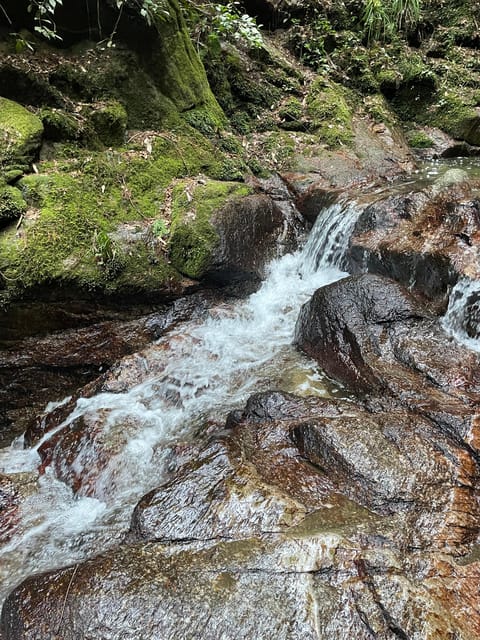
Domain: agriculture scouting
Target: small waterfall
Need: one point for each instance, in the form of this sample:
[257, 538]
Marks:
[206, 370]
[462, 319]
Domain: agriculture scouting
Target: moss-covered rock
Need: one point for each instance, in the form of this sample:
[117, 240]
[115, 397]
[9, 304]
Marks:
[194, 238]
[90, 216]
[291, 113]
[419, 140]
[59, 125]
[20, 135]
[329, 113]
[109, 120]
[456, 115]
[12, 204]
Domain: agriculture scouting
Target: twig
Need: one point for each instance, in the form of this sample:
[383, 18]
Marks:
[65, 599]
[19, 223]
[5, 13]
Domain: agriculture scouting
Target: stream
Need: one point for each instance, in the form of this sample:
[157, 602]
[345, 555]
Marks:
[208, 369]
[192, 377]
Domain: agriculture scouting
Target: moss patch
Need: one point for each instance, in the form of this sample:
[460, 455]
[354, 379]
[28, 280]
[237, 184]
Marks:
[193, 237]
[109, 121]
[20, 135]
[419, 140]
[59, 125]
[329, 113]
[78, 204]
[12, 205]
[455, 115]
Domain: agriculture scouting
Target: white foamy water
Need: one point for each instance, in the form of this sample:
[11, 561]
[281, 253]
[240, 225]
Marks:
[462, 319]
[198, 372]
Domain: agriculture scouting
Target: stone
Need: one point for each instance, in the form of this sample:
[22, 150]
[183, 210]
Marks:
[336, 327]
[426, 239]
[21, 135]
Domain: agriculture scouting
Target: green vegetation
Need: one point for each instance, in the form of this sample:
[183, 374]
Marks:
[193, 237]
[383, 19]
[81, 203]
[12, 204]
[329, 114]
[419, 140]
[20, 135]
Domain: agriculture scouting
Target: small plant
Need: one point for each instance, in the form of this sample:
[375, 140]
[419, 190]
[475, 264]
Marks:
[160, 229]
[43, 11]
[309, 39]
[106, 253]
[382, 19]
[230, 24]
[216, 22]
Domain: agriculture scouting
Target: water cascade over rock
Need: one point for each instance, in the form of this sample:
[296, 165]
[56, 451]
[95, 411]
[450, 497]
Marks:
[227, 509]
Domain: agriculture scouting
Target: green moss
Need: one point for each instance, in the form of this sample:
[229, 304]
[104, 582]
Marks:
[12, 205]
[377, 108]
[12, 175]
[329, 113]
[20, 134]
[455, 115]
[193, 237]
[278, 148]
[419, 140]
[84, 197]
[109, 120]
[388, 81]
[59, 125]
[291, 114]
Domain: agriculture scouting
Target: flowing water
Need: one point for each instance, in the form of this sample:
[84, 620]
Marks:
[205, 371]
[462, 320]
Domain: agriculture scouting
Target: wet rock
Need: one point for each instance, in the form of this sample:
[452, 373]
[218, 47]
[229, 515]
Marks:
[397, 356]
[329, 516]
[337, 326]
[377, 152]
[141, 592]
[226, 235]
[35, 369]
[430, 143]
[426, 239]
[15, 488]
[9, 504]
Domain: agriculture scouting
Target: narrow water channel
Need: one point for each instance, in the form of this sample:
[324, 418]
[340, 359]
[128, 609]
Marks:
[207, 370]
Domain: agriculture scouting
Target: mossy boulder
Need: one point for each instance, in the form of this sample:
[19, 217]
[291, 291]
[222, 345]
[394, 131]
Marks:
[223, 232]
[89, 223]
[329, 113]
[59, 125]
[457, 116]
[194, 238]
[12, 204]
[20, 135]
[109, 120]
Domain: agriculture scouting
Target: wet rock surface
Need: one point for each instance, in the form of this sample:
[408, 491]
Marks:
[426, 239]
[379, 152]
[298, 517]
[37, 369]
[335, 519]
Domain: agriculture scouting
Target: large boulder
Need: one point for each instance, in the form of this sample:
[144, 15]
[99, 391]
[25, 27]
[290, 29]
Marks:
[299, 501]
[378, 339]
[21, 136]
[223, 232]
[338, 325]
[424, 238]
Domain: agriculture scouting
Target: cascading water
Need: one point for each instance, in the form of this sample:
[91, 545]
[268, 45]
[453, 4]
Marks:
[199, 372]
[462, 319]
